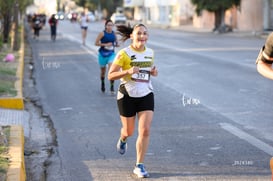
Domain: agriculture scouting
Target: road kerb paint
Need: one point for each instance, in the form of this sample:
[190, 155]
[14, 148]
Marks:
[16, 170]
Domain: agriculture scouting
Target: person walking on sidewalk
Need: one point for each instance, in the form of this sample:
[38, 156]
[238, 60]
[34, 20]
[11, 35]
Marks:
[134, 65]
[53, 26]
[84, 26]
[36, 25]
[265, 58]
[107, 40]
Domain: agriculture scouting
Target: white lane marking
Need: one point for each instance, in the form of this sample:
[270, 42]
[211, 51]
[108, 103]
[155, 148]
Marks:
[66, 109]
[250, 139]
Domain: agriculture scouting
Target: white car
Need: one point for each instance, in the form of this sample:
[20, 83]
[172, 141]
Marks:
[59, 16]
[118, 18]
[91, 17]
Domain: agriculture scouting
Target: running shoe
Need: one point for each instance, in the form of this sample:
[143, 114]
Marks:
[121, 147]
[140, 171]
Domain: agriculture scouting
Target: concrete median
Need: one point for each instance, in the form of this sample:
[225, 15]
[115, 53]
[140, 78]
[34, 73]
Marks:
[17, 102]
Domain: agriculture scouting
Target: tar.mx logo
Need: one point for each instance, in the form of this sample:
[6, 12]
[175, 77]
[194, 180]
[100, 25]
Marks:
[50, 64]
[189, 101]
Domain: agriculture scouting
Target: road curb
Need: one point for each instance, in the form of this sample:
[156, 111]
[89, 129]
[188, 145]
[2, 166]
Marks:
[17, 102]
[16, 170]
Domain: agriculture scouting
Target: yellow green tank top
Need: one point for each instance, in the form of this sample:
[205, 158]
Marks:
[137, 85]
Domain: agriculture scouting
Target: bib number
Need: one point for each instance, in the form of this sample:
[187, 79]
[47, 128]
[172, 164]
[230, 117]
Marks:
[142, 76]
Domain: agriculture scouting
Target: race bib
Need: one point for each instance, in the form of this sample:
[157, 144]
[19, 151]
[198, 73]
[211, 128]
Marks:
[109, 47]
[141, 76]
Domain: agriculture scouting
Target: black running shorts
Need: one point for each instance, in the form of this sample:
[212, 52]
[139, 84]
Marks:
[129, 106]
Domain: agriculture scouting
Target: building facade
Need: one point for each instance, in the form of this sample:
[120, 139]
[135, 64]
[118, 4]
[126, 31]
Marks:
[161, 12]
[46, 6]
[252, 15]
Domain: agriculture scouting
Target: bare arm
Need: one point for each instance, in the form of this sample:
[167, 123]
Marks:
[98, 42]
[154, 71]
[116, 73]
[99, 37]
[265, 69]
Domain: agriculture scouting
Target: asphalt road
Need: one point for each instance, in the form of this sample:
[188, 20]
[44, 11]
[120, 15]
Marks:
[212, 121]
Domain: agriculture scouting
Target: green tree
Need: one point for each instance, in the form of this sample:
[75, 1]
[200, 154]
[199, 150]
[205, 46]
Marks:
[90, 4]
[6, 10]
[218, 7]
[9, 11]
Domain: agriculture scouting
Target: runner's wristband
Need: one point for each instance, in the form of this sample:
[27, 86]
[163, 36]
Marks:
[266, 61]
[263, 57]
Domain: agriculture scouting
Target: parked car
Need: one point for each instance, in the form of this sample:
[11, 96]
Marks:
[73, 16]
[118, 18]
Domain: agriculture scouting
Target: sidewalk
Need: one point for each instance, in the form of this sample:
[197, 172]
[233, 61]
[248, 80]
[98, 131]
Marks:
[191, 29]
[235, 33]
[15, 117]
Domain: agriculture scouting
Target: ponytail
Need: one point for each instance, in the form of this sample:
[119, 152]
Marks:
[125, 31]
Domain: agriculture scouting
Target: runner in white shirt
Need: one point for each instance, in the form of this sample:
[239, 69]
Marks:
[84, 26]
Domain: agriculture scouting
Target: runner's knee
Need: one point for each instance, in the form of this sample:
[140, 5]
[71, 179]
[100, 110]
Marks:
[144, 132]
[127, 132]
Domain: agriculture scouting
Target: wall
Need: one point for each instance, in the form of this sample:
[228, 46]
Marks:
[250, 15]
[168, 12]
[206, 20]
[133, 3]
